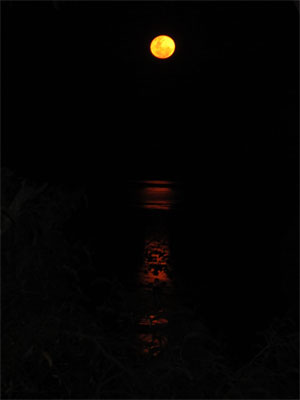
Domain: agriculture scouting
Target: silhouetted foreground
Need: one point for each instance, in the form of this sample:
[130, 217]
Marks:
[57, 344]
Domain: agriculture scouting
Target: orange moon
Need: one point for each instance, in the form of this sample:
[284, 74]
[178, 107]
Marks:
[162, 46]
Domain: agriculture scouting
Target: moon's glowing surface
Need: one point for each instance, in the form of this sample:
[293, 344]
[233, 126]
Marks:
[162, 46]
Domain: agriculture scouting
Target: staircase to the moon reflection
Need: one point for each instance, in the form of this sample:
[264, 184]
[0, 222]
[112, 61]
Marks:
[155, 285]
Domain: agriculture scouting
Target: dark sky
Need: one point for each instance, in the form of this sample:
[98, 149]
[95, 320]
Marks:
[84, 99]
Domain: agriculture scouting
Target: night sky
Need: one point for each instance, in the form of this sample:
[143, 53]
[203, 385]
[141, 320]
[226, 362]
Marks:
[84, 98]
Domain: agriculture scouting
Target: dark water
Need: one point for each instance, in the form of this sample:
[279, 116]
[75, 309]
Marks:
[174, 246]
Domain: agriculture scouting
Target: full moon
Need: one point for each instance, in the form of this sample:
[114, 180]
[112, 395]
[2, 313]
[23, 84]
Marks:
[162, 46]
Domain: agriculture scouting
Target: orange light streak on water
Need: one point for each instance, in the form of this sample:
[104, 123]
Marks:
[154, 280]
[155, 270]
[154, 275]
[152, 344]
[157, 197]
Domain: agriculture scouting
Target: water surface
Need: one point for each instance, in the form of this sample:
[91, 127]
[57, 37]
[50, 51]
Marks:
[154, 275]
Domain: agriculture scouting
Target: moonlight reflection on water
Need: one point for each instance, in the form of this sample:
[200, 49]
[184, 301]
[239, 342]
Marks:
[155, 195]
[155, 274]
[155, 285]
